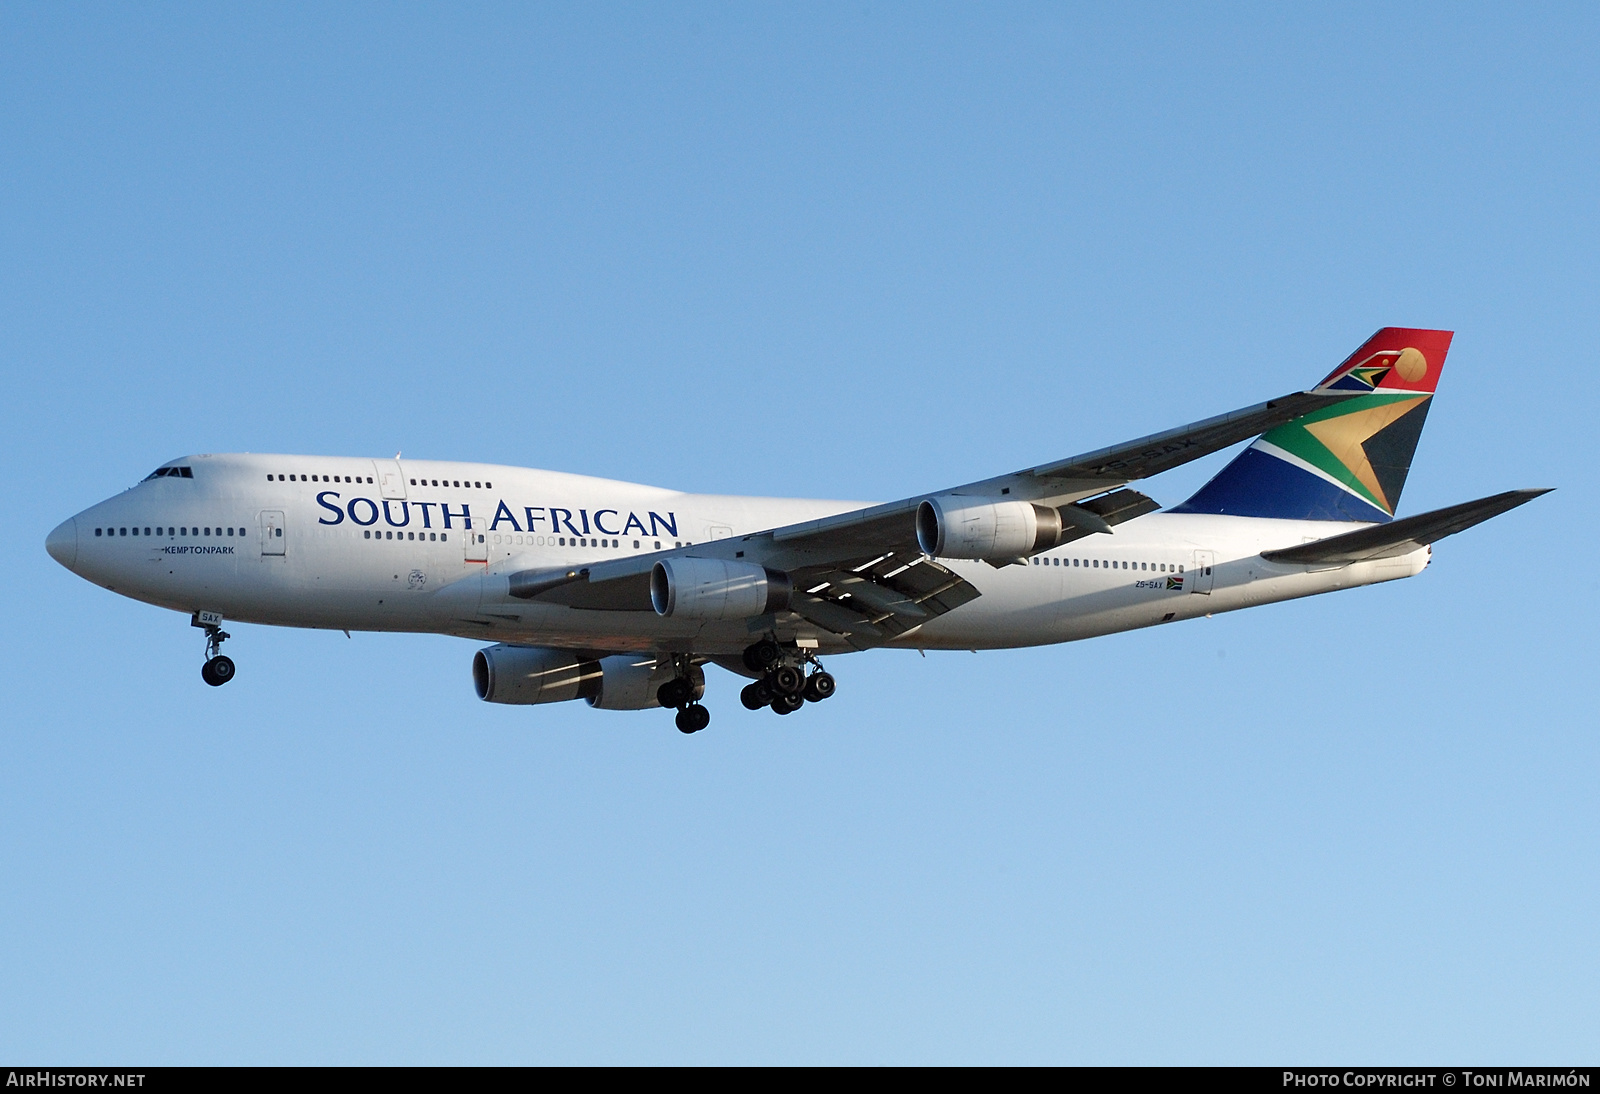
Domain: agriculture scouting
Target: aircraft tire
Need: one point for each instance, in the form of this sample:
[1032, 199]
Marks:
[217, 671]
[786, 680]
[787, 704]
[762, 655]
[674, 693]
[819, 686]
[755, 696]
[693, 718]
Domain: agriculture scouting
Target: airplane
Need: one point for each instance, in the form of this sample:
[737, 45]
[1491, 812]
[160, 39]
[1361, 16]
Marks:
[620, 594]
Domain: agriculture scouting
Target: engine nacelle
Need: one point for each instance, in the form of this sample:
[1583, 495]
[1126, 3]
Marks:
[629, 681]
[986, 528]
[714, 588]
[530, 674]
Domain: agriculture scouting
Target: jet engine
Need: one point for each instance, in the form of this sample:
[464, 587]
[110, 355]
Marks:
[530, 674]
[985, 528]
[714, 588]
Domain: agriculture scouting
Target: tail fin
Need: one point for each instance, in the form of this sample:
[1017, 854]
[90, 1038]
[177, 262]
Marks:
[1346, 462]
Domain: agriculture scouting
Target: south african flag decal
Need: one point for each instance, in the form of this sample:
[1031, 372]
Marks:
[1175, 583]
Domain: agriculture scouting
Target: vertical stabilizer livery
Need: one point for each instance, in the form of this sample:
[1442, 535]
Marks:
[1348, 461]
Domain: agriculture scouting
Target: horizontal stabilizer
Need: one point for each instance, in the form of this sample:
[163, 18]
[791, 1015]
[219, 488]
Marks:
[1401, 537]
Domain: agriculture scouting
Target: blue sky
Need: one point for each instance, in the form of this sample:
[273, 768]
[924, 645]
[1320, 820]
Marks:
[846, 251]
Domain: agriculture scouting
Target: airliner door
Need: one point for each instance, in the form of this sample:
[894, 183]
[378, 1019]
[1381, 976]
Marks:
[1202, 574]
[272, 537]
[390, 481]
[477, 546]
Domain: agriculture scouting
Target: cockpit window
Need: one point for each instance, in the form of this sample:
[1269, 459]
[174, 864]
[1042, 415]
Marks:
[170, 473]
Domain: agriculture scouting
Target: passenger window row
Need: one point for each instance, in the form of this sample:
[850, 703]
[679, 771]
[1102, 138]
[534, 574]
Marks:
[442, 537]
[170, 473]
[181, 531]
[460, 483]
[1109, 564]
[560, 541]
[324, 478]
[575, 541]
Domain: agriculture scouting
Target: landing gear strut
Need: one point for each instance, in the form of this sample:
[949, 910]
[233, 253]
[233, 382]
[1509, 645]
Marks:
[785, 685]
[683, 691]
[218, 669]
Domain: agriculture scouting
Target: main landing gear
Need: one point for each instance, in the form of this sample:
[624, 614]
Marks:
[218, 669]
[683, 691]
[790, 679]
[784, 685]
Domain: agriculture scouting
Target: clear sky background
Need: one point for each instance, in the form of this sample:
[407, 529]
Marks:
[845, 251]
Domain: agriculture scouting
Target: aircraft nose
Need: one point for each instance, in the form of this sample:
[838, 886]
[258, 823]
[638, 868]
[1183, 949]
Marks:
[62, 542]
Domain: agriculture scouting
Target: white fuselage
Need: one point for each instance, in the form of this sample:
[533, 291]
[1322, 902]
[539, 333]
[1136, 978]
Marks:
[361, 544]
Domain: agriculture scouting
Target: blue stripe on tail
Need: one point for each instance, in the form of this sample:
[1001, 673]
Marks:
[1258, 484]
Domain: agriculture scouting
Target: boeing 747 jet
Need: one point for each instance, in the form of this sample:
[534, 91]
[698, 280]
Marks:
[620, 594]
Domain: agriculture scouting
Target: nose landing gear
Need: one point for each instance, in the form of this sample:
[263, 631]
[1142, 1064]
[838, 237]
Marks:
[219, 667]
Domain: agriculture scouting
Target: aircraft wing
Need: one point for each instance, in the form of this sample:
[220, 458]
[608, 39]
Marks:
[892, 526]
[862, 575]
[867, 601]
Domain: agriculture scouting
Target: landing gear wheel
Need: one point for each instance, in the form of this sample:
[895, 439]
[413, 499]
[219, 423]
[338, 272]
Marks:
[819, 686]
[693, 718]
[217, 671]
[787, 704]
[756, 695]
[786, 680]
[762, 656]
[674, 693]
